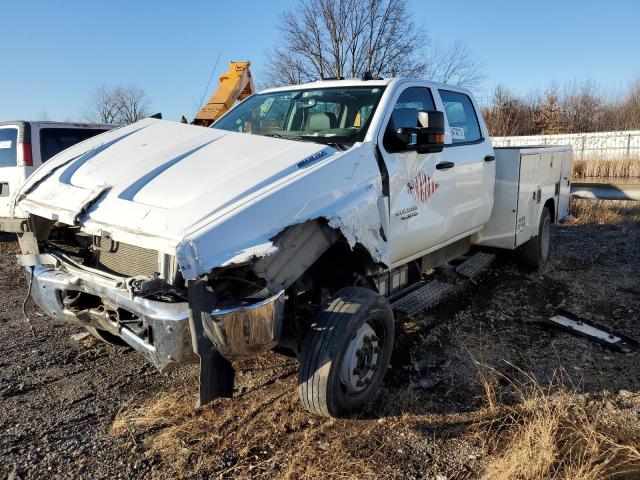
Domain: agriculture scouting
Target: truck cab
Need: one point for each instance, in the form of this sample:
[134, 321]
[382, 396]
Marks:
[435, 197]
[307, 219]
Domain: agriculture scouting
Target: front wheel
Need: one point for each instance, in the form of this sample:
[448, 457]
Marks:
[346, 353]
[535, 253]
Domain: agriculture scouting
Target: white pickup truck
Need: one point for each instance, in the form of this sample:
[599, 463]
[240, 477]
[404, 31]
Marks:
[300, 222]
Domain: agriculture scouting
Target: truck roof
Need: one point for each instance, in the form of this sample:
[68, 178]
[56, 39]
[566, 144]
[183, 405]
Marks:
[368, 83]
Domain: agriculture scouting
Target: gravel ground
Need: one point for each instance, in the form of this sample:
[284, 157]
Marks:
[59, 397]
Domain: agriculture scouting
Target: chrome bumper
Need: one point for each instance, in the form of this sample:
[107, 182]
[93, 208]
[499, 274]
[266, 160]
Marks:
[237, 332]
[170, 339]
[248, 330]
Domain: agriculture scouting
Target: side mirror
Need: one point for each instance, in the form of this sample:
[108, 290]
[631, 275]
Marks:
[428, 137]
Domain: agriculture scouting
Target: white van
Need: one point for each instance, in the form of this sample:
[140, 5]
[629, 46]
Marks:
[24, 146]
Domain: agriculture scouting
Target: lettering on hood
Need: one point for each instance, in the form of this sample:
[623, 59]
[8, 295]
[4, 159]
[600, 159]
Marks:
[312, 158]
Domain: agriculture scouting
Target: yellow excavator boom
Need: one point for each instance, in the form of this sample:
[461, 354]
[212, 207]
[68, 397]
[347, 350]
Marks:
[235, 85]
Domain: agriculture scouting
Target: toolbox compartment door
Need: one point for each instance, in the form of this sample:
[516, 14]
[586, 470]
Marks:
[565, 185]
[526, 217]
[526, 177]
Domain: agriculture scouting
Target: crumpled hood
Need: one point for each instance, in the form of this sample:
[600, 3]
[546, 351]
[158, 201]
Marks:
[175, 174]
[210, 197]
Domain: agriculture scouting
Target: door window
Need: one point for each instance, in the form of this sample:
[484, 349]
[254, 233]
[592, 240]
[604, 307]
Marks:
[462, 118]
[405, 114]
[54, 140]
[8, 147]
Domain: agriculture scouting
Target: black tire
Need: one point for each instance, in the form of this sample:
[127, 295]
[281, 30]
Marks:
[536, 252]
[329, 349]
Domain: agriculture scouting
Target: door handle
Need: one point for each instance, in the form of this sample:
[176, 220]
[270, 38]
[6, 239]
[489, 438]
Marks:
[445, 165]
[489, 158]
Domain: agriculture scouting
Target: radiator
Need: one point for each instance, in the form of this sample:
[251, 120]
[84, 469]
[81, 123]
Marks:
[124, 259]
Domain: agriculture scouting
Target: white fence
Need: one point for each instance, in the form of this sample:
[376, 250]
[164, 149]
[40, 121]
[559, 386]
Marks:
[607, 145]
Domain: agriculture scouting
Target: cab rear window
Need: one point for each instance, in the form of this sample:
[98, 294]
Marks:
[54, 140]
[8, 147]
[462, 118]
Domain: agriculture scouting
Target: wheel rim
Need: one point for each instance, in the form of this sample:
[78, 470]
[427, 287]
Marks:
[545, 239]
[360, 361]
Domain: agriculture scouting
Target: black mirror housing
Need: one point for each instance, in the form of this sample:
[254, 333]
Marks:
[428, 136]
[431, 119]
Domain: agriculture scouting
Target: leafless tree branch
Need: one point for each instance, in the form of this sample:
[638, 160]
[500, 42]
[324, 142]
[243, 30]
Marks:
[346, 38]
[119, 105]
[576, 108]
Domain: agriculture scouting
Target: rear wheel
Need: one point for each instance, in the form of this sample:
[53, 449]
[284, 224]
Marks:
[346, 353]
[535, 253]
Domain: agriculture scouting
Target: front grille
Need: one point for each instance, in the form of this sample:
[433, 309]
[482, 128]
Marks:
[124, 259]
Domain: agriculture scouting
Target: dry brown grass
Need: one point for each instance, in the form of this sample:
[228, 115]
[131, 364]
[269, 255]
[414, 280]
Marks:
[262, 435]
[554, 433]
[601, 168]
[524, 431]
[601, 212]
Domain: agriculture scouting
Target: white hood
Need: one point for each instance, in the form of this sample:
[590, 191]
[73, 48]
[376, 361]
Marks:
[158, 184]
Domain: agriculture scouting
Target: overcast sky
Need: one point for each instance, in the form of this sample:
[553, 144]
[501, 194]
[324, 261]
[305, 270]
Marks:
[53, 54]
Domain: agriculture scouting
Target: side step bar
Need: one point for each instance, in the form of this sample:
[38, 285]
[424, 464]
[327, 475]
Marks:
[422, 298]
[475, 264]
[434, 291]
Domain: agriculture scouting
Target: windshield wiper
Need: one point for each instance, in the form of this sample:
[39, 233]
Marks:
[306, 138]
[337, 146]
[326, 141]
[287, 137]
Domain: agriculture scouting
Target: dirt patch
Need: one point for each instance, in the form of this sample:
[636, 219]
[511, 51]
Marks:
[82, 409]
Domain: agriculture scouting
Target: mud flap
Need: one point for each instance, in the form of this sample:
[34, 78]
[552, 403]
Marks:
[216, 372]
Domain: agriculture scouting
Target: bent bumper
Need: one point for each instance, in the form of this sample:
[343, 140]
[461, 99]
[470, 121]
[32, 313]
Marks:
[248, 330]
[168, 339]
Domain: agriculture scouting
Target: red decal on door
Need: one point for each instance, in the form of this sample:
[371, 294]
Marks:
[422, 187]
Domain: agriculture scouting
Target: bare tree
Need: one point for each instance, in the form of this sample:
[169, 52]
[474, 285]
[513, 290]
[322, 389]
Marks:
[455, 65]
[582, 107]
[346, 38]
[629, 110]
[134, 104]
[119, 105]
[508, 115]
[549, 117]
[579, 108]
[103, 106]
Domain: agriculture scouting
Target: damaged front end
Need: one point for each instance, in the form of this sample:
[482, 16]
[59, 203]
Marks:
[83, 279]
[137, 296]
[227, 266]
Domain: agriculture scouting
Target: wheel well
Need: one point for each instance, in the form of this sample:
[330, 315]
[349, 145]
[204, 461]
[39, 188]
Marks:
[551, 205]
[340, 266]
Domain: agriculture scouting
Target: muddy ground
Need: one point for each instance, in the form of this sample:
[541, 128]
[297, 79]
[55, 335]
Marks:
[59, 397]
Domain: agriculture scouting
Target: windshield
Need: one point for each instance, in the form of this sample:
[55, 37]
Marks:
[324, 115]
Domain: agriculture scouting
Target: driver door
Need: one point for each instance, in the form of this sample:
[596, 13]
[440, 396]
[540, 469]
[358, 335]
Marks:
[421, 186]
